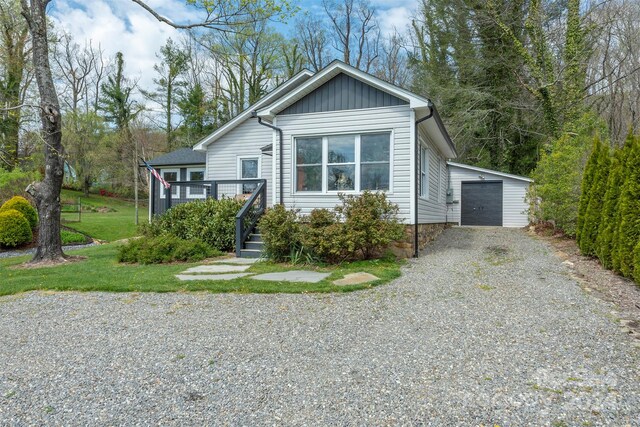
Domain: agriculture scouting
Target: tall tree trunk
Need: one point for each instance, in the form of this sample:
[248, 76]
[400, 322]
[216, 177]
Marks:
[47, 192]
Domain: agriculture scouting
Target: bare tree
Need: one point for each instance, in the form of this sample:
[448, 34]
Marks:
[356, 31]
[314, 40]
[74, 65]
[392, 64]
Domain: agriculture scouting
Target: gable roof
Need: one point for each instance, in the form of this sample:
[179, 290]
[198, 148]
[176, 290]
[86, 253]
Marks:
[475, 168]
[329, 72]
[270, 97]
[179, 157]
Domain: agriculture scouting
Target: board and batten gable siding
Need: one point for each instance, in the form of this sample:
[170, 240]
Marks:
[343, 92]
[514, 206]
[395, 119]
[245, 140]
[433, 210]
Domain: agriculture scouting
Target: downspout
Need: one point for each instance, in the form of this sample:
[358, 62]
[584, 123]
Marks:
[416, 247]
[280, 149]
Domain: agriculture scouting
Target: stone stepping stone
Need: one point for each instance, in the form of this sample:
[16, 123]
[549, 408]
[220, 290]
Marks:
[220, 268]
[292, 276]
[230, 276]
[236, 261]
[355, 279]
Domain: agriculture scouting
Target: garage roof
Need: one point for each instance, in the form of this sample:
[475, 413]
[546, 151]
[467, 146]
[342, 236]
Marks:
[475, 168]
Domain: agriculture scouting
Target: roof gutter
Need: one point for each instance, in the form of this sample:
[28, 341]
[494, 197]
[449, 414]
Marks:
[280, 149]
[416, 247]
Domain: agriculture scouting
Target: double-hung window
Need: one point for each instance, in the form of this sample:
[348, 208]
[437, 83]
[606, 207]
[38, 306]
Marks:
[170, 175]
[196, 191]
[337, 163]
[248, 168]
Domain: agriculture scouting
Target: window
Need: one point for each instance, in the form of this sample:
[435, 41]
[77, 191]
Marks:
[343, 163]
[309, 164]
[424, 172]
[170, 175]
[249, 168]
[195, 192]
[374, 161]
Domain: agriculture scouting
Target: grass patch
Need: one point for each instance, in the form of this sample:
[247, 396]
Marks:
[103, 218]
[71, 237]
[101, 272]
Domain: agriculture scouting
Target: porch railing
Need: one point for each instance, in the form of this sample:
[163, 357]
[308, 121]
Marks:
[247, 218]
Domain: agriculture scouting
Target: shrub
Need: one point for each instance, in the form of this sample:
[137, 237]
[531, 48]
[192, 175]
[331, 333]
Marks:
[558, 175]
[68, 237]
[163, 249]
[280, 231]
[588, 178]
[23, 206]
[212, 221]
[608, 224]
[629, 225]
[14, 228]
[593, 213]
[15, 182]
[370, 223]
[322, 235]
[636, 263]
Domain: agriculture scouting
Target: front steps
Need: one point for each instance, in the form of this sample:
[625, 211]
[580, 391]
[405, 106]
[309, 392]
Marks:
[253, 246]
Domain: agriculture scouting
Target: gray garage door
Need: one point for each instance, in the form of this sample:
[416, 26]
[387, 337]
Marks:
[481, 203]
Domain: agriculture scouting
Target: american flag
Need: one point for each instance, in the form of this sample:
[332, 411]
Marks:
[157, 175]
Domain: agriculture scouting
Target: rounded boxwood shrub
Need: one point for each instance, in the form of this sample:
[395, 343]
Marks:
[14, 228]
[280, 232]
[163, 249]
[23, 206]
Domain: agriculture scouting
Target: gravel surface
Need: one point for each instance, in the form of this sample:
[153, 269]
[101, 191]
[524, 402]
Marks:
[11, 254]
[486, 328]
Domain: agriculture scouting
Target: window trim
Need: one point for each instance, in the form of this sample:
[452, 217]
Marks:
[177, 187]
[239, 168]
[424, 170]
[195, 196]
[325, 165]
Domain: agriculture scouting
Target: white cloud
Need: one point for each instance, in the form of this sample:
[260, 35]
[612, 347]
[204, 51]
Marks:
[121, 25]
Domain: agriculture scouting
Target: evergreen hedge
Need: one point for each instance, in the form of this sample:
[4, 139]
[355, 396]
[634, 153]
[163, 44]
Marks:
[629, 211]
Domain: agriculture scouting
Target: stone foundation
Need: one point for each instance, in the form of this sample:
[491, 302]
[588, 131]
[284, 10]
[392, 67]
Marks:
[426, 233]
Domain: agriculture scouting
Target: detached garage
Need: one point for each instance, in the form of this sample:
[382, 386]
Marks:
[487, 197]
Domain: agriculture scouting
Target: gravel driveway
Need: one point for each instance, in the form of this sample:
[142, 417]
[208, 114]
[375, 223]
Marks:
[486, 328]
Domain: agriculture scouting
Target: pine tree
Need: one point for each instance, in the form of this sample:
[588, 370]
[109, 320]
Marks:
[588, 177]
[629, 226]
[593, 214]
[604, 241]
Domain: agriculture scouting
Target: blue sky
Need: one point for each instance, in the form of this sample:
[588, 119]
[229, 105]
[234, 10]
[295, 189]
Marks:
[121, 25]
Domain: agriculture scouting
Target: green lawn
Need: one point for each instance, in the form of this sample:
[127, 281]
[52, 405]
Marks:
[101, 272]
[118, 222]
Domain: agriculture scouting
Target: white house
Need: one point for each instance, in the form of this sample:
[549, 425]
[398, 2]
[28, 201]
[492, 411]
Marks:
[340, 130]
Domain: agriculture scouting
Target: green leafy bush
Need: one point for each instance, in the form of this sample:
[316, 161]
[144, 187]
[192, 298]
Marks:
[23, 206]
[212, 221]
[15, 182]
[370, 223]
[280, 231]
[629, 212]
[323, 236]
[592, 215]
[360, 228]
[14, 228]
[163, 249]
[608, 223]
[558, 176]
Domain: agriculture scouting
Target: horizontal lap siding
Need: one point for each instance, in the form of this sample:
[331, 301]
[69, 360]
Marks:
[245, 140]
[514, 206]
[396, 119]
[433, 209]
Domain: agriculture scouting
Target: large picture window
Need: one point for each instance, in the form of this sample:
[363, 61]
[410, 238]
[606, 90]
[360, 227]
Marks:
[343, 163]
